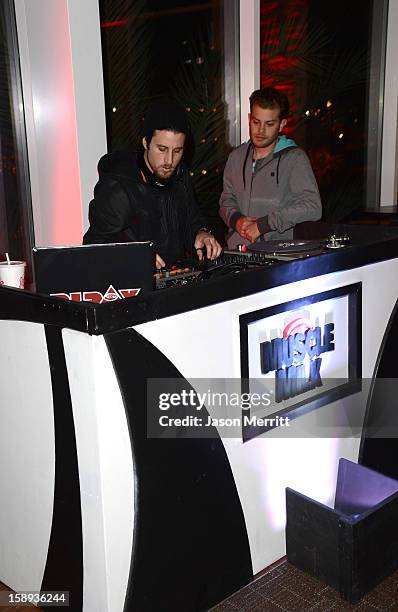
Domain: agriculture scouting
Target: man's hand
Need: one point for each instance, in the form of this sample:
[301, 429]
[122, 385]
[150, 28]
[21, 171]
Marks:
[159, 262]
[251, 232]
[205, 241]
[242, 223]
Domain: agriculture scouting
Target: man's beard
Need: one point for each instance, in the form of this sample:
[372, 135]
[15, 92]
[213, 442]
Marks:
[170, 173]
[263, 143]
[163, 180]
[152, 176]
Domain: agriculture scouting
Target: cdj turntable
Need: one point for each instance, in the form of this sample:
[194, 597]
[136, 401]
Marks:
[244, 258]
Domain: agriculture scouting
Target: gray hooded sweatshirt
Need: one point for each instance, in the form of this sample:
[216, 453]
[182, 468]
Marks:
[280, 190]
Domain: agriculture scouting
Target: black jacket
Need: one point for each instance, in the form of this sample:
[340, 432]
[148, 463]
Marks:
[127, 208]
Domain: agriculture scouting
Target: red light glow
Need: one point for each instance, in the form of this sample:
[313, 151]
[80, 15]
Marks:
[283, 28]
[114, 24]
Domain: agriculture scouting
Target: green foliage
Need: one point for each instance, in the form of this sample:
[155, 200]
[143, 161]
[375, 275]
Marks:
[197, 88]
[127, 58]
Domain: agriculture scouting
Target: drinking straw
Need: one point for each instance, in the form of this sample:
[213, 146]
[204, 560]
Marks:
[8, 259]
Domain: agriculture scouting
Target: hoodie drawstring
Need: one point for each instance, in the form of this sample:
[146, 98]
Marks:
[244, 165]
[277, 170]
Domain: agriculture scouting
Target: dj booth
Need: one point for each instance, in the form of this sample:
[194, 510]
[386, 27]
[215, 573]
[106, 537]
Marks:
[109, 494]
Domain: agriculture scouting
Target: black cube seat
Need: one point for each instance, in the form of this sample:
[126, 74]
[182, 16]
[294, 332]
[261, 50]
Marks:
[350, 547]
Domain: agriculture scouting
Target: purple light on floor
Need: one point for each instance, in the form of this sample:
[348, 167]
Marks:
[360, 489]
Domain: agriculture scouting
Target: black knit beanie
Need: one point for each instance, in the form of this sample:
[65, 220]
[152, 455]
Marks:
[165, 116]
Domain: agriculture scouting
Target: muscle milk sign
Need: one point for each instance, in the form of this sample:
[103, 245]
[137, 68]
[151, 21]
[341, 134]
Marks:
[296, 356]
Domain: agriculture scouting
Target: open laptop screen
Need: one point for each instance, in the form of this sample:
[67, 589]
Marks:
[95, 272]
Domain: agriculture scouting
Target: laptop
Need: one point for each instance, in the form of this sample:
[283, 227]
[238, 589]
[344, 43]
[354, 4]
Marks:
[95, 272]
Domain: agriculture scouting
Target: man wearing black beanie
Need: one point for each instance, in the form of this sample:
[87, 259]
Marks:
[148, 195]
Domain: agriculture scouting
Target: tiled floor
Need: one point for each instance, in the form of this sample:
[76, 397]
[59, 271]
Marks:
[287, 588]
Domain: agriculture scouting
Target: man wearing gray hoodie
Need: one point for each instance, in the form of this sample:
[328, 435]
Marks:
[269, 185]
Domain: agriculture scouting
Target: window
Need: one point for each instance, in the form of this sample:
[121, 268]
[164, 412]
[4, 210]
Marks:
[328, 57]
[181, 51]
[16, 228]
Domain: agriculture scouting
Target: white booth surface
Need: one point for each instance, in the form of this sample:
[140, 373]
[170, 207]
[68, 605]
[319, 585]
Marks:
[95, 503]
[27, 454]
[204, 344]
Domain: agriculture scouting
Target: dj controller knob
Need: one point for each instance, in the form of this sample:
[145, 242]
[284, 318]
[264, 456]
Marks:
[337, 242]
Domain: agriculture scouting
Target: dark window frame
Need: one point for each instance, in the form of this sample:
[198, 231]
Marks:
[19, 134]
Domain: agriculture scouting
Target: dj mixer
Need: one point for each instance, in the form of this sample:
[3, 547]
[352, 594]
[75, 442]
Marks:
[176, 276]
[257, 255]
[189, 271]
[229, 262]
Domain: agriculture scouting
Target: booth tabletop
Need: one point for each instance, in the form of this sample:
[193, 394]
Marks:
[368, 245]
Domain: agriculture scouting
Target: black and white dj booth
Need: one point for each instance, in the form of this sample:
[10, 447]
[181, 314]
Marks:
[107, 493]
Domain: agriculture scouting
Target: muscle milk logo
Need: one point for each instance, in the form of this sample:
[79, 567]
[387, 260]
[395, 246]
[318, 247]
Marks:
[296, 357]
[110, 295]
